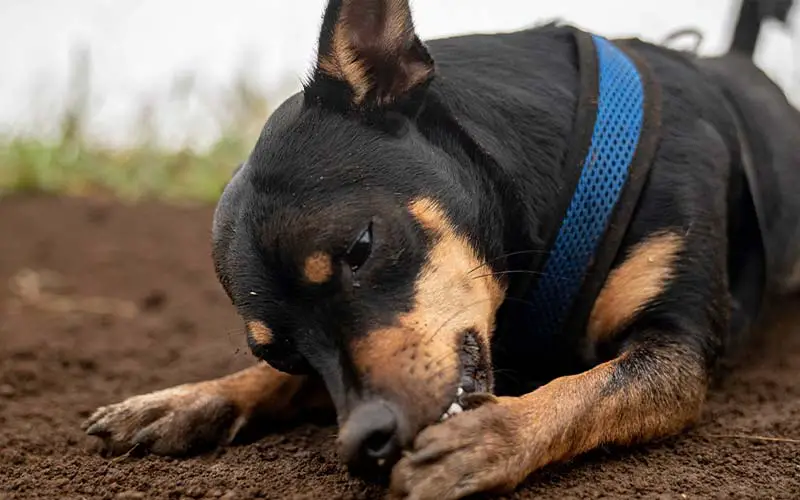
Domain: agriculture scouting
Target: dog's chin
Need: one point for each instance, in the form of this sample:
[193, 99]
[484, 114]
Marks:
[475, 377]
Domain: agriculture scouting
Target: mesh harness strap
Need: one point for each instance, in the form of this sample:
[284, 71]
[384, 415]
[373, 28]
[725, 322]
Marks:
[620, 107]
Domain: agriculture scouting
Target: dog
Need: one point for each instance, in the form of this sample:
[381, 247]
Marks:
[401, 245]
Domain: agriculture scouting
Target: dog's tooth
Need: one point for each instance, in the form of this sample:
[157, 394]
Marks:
[460, 391]
[454, 409]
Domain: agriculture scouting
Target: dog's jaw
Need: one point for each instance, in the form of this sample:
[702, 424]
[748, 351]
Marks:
[475, 382]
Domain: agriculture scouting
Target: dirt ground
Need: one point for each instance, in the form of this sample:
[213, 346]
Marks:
[100, 301]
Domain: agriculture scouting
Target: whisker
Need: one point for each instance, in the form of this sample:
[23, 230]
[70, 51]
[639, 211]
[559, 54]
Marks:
[462, 310]
[239, 349]
[509, 254]
[521, 301]
[466, 307]
[438, 330]
[507, 374]
[441, 370]
[512, 299]
[503, 371]
[237, 331]
[515, 271]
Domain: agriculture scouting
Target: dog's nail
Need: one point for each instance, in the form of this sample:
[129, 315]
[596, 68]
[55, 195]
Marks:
[426, 455]
[237, 426]
[96, 430]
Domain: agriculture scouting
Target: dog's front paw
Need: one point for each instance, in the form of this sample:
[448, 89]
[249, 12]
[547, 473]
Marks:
[476, 451]
[175, 421]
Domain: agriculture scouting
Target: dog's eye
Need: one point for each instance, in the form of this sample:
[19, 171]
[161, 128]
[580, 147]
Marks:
[360, 250]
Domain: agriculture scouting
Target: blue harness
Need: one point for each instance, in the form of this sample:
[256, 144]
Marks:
[609, 178]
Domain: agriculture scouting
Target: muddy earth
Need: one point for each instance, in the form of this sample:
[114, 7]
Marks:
[100, 301]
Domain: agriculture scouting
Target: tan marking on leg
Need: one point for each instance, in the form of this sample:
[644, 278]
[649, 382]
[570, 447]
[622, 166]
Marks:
[613, 404]
[318, 267]
[260, 387]
[174, 420]
[416, 359]
[264, 391]
[643, 275]
[497, 445]
[259, 332]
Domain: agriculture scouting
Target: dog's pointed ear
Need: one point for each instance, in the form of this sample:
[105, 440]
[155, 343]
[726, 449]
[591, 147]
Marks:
[371, 47]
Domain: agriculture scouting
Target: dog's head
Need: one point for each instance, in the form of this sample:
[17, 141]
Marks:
[355, 249]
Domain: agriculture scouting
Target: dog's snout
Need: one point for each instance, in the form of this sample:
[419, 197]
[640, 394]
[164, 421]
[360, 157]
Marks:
[370, 437]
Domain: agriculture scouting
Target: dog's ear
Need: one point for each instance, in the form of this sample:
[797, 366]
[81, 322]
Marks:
[371, 48]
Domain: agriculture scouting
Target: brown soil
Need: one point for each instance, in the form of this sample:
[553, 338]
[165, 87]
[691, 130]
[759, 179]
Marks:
[161, 320]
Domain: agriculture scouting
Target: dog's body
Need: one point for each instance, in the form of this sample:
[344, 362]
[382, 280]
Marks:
[380, 236]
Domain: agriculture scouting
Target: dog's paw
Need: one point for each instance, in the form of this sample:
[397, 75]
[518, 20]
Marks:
[477, 451]
[176, 421]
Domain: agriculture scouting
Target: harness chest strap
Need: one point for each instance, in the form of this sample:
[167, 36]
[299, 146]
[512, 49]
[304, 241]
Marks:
[615, 136]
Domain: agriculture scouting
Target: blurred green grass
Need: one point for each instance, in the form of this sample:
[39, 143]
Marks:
[71, 165]
[79, 169]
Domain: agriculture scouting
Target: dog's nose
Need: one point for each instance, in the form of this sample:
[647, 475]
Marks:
[369, 439]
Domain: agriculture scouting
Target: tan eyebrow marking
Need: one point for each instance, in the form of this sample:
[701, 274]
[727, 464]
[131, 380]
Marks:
[318, 267]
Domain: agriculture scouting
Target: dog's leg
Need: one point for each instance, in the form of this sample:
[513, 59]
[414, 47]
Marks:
[653, 389]
[192, 417]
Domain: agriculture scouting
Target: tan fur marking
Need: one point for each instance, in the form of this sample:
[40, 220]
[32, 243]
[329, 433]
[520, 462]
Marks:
[251, 394]
[330, 67]
[260, 332]
[348, 66]
[264, 390]
[347, 62]
[630, 287]
[574, 415]
[418, 358]
[318, 267]
[399, 17]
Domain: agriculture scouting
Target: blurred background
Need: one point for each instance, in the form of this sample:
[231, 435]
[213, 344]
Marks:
[135, 109]
[173, 93]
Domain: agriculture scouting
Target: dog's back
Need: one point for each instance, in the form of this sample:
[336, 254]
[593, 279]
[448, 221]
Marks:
[526, 71]
[771, 126]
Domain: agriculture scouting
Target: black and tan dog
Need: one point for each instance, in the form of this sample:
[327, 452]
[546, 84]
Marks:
[385, 240]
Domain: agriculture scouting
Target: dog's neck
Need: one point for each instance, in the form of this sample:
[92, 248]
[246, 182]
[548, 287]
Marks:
[516, 179]
[522, 177]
